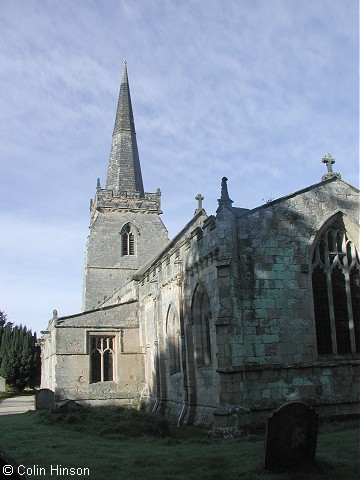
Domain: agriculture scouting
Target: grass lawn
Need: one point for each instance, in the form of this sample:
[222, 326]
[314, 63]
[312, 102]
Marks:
[39, 442]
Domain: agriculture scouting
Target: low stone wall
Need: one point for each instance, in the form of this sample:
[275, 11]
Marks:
[250, 393]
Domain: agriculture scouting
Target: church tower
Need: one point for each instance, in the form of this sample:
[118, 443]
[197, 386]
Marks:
[125, 227]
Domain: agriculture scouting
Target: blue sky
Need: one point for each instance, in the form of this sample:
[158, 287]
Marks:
[255, 90]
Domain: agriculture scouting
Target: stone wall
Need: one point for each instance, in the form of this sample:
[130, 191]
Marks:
[105, 267]
[166, 288]
[251, 392]
[276, 321]
[70, 338]
[270, 342]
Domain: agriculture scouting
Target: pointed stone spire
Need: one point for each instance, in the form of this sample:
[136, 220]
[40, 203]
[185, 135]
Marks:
[225, 199]
[124, 172]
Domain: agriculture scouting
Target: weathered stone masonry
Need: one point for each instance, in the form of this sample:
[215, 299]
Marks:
[226, 321]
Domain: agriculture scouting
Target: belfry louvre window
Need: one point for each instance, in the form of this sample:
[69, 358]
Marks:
[128, 241]
[102, 359]
[336, 290]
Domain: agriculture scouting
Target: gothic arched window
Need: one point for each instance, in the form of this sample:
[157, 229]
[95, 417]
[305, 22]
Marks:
[336, 291]
[200, 310]
[173, 341]
[127, 241]
[102, 358]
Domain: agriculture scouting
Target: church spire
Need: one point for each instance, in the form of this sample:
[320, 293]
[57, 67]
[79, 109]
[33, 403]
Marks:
[124, 171]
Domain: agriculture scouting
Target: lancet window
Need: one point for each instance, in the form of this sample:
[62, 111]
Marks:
[102, 359]
[128, 241]
[201, 315]
[336, 291]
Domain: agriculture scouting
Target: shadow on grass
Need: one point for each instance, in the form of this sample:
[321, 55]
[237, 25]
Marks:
[110, 422]
[117, 443]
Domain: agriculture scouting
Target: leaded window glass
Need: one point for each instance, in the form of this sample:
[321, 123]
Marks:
[128, 241]
[102, 358]
[336, 291]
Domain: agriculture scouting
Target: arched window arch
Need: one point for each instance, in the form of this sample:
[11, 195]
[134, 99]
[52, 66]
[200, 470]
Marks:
[127, 240]
[336, 291]
[201, 314]
[173, 341]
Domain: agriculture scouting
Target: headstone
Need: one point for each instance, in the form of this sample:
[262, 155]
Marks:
[45, 399]
[2, 384]
[66, 406]
[291, 435]
[9, 469]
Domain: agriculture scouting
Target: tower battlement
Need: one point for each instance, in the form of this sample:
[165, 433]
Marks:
[106, 199]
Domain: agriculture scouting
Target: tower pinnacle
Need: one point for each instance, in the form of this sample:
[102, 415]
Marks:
[225, 199]
[124, 171]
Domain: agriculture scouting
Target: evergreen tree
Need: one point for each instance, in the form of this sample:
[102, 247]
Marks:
[2, 319]
[19, 355]
[2, 324]
[7, 354]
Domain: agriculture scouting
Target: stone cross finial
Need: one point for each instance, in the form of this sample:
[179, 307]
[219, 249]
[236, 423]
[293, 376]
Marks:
[199, 198]
[329, 162]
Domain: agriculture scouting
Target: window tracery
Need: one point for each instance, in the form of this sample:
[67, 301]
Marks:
[102, 359]
[336, 292]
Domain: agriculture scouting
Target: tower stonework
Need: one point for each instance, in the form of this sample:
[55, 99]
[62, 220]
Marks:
[125, 227]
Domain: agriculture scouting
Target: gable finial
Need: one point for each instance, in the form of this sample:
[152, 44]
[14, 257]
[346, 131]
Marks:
[329, 162]
[124, 73]
[199, 198]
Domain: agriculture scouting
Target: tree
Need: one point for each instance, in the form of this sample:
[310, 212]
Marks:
[2, 319]
[2, 324]
[19, 355]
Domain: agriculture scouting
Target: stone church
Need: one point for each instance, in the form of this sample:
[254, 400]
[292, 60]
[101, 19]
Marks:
[240, 312]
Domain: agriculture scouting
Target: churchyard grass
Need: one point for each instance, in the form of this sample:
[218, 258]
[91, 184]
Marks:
[47, 444]
[5, 395]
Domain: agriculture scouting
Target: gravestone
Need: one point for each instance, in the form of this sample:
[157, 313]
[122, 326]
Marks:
[45, 399]
[2, 384]
[291, 435]
[9, 469]
[67, 406]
